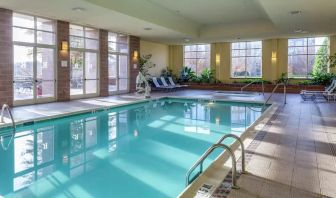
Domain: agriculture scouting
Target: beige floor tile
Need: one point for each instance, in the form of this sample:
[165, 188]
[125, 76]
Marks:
[275, 190]
[308, 184]
[241, 193]
[280, 176]
[250, 185]
[298, 193]
[328, 192]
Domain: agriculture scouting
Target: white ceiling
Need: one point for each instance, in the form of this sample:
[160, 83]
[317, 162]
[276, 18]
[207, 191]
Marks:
[198, 20]
[212, 12]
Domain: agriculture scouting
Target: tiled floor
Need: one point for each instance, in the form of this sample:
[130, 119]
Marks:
[295, 158]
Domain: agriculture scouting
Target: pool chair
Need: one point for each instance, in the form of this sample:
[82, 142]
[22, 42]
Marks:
[327, 93]
[172, 83]
[164, 82]
[159, 86]
[330, 96]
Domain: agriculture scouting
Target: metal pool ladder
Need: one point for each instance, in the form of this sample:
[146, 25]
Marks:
[6, 107]
[210, 150]
[262, 86]
[242, 148]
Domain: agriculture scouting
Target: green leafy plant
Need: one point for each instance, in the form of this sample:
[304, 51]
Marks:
[145, 64]
[207, 76]
[322, 59]
[322, 78]
[196, 79]
[332, 61]
[186, 74]
[306, 82]
[283, 79]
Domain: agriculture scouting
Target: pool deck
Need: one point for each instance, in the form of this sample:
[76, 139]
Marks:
[55, 109]
[295, 157]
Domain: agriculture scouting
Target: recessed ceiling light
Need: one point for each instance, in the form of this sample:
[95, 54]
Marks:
[78, 9]
[147, 28]
[295, 12]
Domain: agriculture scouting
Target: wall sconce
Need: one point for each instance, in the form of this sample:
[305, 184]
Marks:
[274, 55]
[64, 46]
[217, 59]
[135, 55]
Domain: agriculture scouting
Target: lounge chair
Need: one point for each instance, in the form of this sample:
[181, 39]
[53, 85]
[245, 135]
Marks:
[306, 94]
[171, 81]
[164, 82]
[161, 87]
[330, 96]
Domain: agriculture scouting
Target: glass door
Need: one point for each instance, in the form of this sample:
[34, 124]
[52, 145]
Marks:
[123, 73]
[84, 51]
[23, 73]
[77, 73]
[45, 74]
[91, 78]
[34, 59]
[118, 63]
[112, 70]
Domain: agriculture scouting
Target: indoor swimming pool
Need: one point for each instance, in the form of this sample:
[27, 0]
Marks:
[138, 150]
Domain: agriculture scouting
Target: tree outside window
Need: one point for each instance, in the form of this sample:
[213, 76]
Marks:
[307, 56]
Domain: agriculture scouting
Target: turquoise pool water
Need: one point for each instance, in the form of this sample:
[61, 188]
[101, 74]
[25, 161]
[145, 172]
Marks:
[141, 150]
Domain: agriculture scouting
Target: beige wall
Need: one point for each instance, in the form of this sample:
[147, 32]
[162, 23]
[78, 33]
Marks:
[175, 58]
[333, 49]
[274, 59]
[220, 60]
[160, 55]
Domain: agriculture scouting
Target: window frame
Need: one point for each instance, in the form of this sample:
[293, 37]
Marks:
[197, 58]
[35, 45]
[246, 56]
[117, 53]
[306, 47]
[85, 50]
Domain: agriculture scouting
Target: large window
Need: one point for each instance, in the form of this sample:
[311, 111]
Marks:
[197, 57]
[246, 59]
[307, 55]
[84, 45]
[34, 59]
[118, 62]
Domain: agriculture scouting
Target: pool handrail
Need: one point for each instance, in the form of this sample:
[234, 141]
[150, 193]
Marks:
[206, 154]
[255, 81]
[6, 107]
[273, 91]
[242, 148]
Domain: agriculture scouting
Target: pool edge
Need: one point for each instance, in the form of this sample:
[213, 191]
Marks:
[221, 166]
